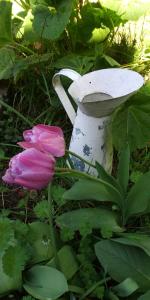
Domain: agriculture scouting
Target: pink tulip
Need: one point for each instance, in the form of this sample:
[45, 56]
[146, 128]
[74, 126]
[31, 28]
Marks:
[45, 138]
[31, 169]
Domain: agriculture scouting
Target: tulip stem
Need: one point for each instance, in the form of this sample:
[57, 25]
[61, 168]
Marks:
[81, 158]
[79, 174]
[52, 231]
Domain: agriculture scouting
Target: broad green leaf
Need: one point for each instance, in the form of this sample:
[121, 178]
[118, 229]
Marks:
[45, 283]
[68, 262]
[89, 218]
[146, 296]
[14, 260]
[138, 197]
[5, 22]
[49, 23]
[106, 176]
[122, 262]
[135, 239]
[8, 284]
[6, 234]
[91, 190]
[131, 122]
[39, 238]
[7, 60]
[126, 288]
[81, 64]
[123, 168]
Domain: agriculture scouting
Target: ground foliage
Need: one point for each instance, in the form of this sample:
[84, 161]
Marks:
[102, 227]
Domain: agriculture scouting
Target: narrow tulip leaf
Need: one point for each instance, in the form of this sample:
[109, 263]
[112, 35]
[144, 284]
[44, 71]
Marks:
[126, 288]
[48, 22]
[123, 167]
[122, 262]
[45, 283]
[92, 190]
[131, 122]
[106, 176]
[89, 218]
[146, 296]
[139, 196]
[139, 240]
[5, 22]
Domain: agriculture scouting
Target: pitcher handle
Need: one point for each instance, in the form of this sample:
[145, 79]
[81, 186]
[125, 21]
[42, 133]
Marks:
[61, 92]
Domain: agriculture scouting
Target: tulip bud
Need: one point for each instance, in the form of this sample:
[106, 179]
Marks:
[45, 138]
[31, 169]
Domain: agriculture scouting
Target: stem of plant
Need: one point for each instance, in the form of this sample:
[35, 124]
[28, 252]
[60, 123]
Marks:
[93, 287]
[52, 232]
[78, 174]
[78, 156]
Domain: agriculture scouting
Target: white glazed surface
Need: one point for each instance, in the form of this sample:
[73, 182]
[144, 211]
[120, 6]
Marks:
[88, 141]
[114, 82]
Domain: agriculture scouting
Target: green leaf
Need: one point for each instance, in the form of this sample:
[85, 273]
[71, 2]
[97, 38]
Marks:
[123, 168]
[89, 218]
[126, 288]
[123, 262]
[5, 22]
[91, 190]
[45, 283]
[39, 238]
[8, 284]
[6, 234]
[139, 196]
[135, 239]
[48, 22]
[106, 176]
[14, 260]
[131, 122]
[112, 62]
[7, 60]
[67, 260]
[81, 64]
[42, 209]
[146, 296]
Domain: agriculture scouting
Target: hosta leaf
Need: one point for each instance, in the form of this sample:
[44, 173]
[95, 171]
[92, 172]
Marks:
[5, 22]
[135, 239]
[138, 197]
[6, 234]
[45, 283]
[89, 218]
[91, 190]
[122, 262]
[49, 22]
[131, 122]
[14, 260]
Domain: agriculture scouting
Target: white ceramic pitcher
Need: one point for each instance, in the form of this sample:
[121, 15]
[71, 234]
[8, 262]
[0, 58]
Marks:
[96, 94]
